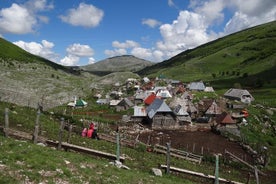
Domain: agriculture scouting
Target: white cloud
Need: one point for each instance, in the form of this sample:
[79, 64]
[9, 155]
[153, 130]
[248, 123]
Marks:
[43, 49]
[121, 48]
[38, 5]
[115, 52]
[171, 3]
[91, 60]
[249, 14]
[85, 15]
[151, 22]
[212, 11]
[254, 8]
[188, 31]
[245, 14]
[75, 52]
[70, 60]
[23, 18]
[16, 20]
[141, 52]
[80, 50]
[125, 45]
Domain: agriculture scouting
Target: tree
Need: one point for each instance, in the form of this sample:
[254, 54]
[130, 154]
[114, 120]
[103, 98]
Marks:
[237, 86]
[245, 75]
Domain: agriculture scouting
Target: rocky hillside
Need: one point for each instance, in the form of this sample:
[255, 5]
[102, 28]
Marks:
[125, 63]
[27, 80]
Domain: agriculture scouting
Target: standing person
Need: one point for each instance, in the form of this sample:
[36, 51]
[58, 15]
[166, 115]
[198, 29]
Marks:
[95, 134]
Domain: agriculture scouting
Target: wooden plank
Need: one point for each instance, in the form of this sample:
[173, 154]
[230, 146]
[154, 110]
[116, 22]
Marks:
[86, 150]
[198, 174]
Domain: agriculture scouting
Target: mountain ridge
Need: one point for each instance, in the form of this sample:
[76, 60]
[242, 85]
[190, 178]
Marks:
[123, 63]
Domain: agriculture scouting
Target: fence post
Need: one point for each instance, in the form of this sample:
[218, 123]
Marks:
[256, 175]
[118, 144]
[36, 130]
[217, 170]
[70, 133]
[168, 158]
[6, 128]
[60, 133]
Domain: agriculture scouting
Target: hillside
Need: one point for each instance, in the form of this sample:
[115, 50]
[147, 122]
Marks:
[125, 63]
[11, 52]
[27, 79]
[248, 54]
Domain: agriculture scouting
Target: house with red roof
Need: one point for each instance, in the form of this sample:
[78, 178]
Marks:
[225, 119]
[150, 99]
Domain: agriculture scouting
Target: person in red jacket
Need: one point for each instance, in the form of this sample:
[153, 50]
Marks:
[90, 130]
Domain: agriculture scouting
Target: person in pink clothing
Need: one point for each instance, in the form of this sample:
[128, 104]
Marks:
[84, 132]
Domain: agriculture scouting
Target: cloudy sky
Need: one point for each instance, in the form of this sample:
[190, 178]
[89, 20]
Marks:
[76, 32]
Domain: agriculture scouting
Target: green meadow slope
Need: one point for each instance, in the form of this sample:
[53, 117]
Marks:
[248, 54]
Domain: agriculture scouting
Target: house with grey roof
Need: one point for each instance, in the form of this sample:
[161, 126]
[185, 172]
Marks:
[124, 104]
[160, 115]
[182, 115]
[197, 86]
[239, 94]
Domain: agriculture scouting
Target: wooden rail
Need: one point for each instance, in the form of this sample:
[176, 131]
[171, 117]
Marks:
[178, 153]
[28, 136]
[198, 174]
[124, 142]
[244, 162]
[85, 150]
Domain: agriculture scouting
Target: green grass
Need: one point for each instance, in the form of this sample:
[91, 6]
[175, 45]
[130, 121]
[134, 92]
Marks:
[22, 163]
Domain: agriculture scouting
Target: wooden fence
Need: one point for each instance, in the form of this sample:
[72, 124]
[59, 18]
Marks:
[178, 153]
[35, 137]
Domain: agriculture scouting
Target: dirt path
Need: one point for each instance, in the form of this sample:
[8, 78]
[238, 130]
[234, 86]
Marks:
[198, 142]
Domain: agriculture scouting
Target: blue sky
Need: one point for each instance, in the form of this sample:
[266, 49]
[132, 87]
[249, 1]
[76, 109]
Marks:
[75, 32]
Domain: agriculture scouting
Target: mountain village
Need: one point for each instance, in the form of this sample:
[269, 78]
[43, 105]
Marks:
[173, 105]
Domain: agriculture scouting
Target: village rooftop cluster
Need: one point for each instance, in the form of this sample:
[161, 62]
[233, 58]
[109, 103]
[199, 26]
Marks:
[171, 104]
